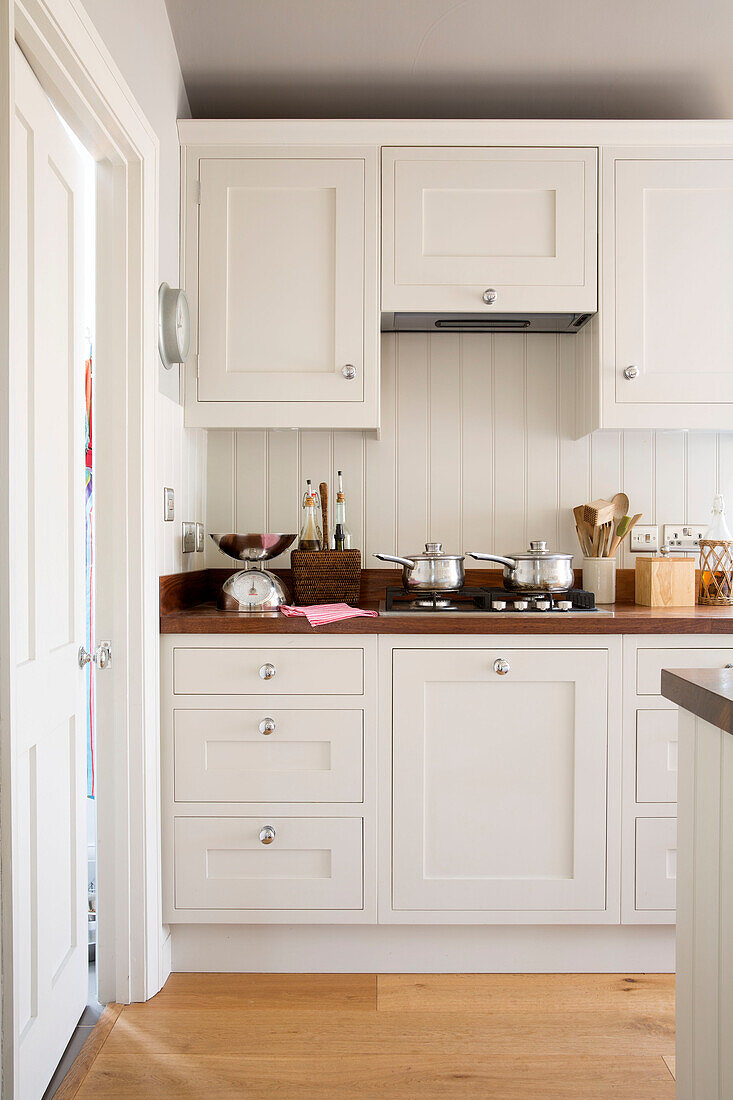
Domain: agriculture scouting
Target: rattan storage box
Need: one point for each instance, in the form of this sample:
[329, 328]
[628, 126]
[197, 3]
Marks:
[325, 576]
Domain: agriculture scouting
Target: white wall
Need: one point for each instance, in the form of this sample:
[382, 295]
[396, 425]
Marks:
[137, 33]
[476, 450]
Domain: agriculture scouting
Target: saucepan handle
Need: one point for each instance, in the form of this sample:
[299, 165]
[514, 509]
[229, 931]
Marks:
[509, 562]
[399, 561]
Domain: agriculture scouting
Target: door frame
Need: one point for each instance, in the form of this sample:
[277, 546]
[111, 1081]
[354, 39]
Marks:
[76, 70]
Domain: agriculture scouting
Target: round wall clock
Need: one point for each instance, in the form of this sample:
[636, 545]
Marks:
[174, 325]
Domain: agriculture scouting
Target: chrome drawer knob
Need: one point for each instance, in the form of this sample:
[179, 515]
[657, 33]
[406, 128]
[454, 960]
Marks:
[267, 834]
[267, 671]
[267, 726]
[489, 296]
[630, 373]
[349, 371]
[501, 667]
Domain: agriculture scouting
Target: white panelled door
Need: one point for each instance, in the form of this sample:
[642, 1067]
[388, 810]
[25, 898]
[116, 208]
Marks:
[499, 780]
[673, 251]
[47, 598]
[281, 279]
[520, 223]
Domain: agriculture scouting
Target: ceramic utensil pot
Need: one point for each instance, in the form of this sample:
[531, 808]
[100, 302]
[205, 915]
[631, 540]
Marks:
[432, 571]
[534, 570]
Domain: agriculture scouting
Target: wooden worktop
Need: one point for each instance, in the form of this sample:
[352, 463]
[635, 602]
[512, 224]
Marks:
[705, 692]
[188, 606]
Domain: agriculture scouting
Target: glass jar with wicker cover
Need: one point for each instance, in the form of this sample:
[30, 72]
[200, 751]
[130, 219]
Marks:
[716, 559]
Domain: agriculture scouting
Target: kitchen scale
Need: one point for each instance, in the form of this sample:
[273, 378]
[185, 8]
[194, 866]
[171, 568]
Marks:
[253, 588]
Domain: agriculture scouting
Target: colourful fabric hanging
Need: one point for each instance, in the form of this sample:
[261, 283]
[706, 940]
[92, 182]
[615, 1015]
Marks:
[89, 586]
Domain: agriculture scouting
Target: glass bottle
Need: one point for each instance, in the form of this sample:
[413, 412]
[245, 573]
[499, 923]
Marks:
[717, 580]
[310, 537]
[339, 516]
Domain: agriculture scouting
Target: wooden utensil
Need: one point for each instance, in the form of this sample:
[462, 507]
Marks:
[323, 490]
[598, 512]
[585, 534]
[622, 531]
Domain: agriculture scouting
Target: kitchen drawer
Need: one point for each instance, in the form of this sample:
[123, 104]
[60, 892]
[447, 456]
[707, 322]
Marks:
[650, 662]
[656, 862]
[312, 863]
[231, 756]
[656, 756]
[240, 671]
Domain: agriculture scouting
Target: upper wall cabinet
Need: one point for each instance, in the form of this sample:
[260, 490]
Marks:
[667, 323]
[281, 247]
[519, 224]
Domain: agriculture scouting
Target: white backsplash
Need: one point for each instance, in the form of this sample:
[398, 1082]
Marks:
[476, 451]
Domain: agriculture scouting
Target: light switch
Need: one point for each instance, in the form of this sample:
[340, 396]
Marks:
[169, 505]
[188, 537]
[199, 538]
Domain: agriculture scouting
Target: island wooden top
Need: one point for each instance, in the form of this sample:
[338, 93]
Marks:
[188, 606]
[705, 692]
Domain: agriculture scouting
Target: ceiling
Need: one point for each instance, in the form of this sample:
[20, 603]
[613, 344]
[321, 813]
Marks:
[456, 58]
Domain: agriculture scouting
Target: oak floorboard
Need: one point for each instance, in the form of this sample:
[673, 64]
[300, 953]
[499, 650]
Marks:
[525, 1077]
[89, 1053]
[269, 991]
[551, 992]
[148, 1029]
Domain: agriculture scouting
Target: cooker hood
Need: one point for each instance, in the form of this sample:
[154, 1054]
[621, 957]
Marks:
[482, 322]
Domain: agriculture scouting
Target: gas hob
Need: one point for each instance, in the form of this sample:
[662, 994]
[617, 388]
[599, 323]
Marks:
[490, 601]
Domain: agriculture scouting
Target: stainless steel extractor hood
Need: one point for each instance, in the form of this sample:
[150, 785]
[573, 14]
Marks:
[482, 322]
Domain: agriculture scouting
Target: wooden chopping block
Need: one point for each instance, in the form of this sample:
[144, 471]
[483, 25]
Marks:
[665, 582]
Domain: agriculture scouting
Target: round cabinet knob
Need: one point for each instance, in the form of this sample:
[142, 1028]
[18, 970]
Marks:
[630, 373]
[501, 666]
[349, 371]
[267, 834]
[267, 726]
[267, 671]
[489, 296]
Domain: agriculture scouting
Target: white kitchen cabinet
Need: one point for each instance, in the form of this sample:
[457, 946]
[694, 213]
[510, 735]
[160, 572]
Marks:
[519, 222]
[280, 268]
[656, 864]
[499, 781]
[667, 327]
[295, 752]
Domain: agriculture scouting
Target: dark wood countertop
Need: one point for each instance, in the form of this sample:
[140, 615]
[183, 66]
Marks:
[705, 692]
[188, 607]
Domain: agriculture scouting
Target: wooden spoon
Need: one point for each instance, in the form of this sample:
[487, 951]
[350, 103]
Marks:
[584, 531]
[620, 504]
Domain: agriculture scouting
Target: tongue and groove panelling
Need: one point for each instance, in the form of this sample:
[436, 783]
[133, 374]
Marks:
[476, 450]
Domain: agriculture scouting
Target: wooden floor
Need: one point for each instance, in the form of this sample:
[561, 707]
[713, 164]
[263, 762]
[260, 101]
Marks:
[527, 1036]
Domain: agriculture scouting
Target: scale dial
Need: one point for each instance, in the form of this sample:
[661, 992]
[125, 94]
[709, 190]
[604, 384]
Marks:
[253, 590]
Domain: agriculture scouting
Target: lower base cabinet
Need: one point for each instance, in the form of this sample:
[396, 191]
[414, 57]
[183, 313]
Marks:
[499, 780]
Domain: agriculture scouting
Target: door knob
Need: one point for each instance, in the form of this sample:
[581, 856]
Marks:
[267, 671]
[501, 667]
[630, 373]
[267, 726]
[489, 296]
[267, 834]
[102, 656]
[349, 371]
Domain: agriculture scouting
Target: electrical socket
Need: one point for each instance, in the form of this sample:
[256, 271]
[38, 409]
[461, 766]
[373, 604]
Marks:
[169, 505]
[199, 538]
[188, 537]
[644, 540]
[683, 536]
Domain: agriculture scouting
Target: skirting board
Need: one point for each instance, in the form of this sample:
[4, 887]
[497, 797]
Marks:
[500, 949]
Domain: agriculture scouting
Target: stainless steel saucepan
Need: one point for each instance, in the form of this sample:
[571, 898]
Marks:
[534, 570]
[432, 571]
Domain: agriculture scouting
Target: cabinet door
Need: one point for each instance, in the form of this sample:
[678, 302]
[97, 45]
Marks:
[499, 781]
[460, 221]
[281, 280]
[673, 247]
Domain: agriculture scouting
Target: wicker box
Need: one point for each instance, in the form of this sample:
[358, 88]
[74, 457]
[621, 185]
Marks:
[325, 576]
